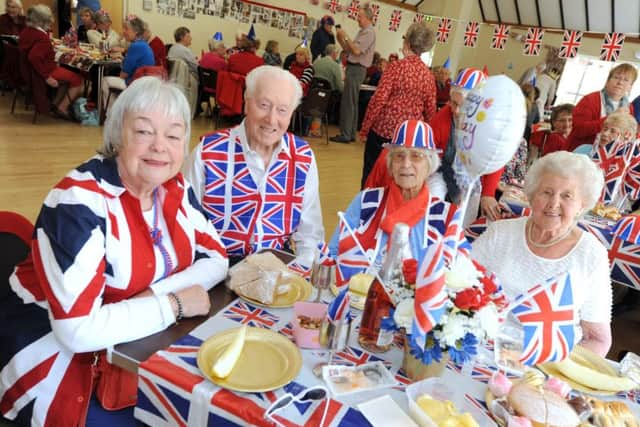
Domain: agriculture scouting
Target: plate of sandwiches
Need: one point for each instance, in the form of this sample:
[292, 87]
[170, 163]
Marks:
[264, 280]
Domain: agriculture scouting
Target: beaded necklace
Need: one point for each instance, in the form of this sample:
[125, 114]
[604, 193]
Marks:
[156, 237]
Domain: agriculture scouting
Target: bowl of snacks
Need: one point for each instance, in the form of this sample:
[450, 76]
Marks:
[307, 318]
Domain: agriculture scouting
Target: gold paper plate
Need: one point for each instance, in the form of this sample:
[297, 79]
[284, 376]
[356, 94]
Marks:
[357, 299]
[300, 290]
[268, 361]
[586, 358]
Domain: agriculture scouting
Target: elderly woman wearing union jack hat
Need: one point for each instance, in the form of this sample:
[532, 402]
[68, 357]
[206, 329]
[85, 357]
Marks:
[529, 250]
[407, 199]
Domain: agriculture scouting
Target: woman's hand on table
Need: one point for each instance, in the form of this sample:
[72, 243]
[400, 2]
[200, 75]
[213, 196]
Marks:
[194, 300]
[490, 208]
[52, 82]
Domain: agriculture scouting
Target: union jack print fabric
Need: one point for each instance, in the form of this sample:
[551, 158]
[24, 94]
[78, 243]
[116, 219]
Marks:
[533, 41]
[571, 41]
[471, 34]
[376, 13]
[248, 314]
[394, 21]
[444, 29]
[620, 163]
[469, 78]
[628, 229]
[414, 134]
[353, 9]
[548, 321]
[333, 6]
[500, 36]
[235, 213]
[611, 46]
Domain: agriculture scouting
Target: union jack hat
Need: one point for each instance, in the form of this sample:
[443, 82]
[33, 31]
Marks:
[469, 78]
[413, 134]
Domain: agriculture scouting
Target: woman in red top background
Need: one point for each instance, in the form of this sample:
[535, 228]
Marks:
[407, 90]
[13, 21]
[246, 59]
[302, 68]
[157, 47]
[544, 142]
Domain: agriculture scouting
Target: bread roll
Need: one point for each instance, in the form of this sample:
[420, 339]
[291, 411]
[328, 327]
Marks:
[542, 407]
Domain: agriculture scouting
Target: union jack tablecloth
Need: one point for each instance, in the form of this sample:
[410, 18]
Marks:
[624, 256]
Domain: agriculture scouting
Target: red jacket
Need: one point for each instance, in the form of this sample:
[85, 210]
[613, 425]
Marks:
[8, 26]
[159, 51]
[243, 62]
[442, 93]
[229, 90]
[36, 46]
[548, 142]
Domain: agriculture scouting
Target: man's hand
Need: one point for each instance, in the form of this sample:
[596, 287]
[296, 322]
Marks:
[489, 207]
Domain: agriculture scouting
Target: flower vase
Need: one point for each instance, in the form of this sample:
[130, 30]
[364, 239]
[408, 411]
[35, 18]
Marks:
[416, 370]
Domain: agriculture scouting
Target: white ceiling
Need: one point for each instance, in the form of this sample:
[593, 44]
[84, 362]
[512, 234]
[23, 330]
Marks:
[587, 15]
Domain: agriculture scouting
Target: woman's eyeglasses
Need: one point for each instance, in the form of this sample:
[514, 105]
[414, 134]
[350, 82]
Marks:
[308, 395]
[400, 155]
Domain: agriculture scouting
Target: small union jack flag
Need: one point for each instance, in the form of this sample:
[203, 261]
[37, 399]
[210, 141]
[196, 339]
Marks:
[431, 297]
[353, 9]
[376, 13]
[453, 237]
[394, 21]
[444, 29]
[628, 229]
[357, 356]
[547, 317]
[418, 18]
[571, 42]
[533, 41]
[618, 163]
[500, 36]
[334, 6]
[471, 34]
[339, 309]
[625, 260]
[247, 314]
[611, 46]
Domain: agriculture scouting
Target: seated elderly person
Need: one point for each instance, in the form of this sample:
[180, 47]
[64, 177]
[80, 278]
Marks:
[590, 111]
[35, 45]
[526, 251]
[104, 35]
[157, 47]
[258, 183]
[327, 67]
[407, 199]
[302, 68]
[138, 55]
[245, 59]
[121, 251]
[12, 22]
[180, 49]
[86, 22]
[216, 58]
[544, 142]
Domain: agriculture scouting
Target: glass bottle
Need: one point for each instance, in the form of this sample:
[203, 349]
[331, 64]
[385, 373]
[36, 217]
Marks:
[376, 327]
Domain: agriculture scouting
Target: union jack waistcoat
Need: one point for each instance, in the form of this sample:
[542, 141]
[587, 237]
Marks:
[246, 217]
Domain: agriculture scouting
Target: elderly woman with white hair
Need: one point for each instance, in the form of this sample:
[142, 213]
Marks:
[13, 21]
[406, 199]
[216, 58]
[121, 251]
[526, 251]
[257, 182]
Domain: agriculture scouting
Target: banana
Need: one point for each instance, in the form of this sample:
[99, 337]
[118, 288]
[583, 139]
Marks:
[593, 379]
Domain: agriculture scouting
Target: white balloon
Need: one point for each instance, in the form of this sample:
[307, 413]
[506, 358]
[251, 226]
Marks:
[491, 125]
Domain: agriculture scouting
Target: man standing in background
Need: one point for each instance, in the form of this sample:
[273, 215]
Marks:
[322, 37]
[360, 56]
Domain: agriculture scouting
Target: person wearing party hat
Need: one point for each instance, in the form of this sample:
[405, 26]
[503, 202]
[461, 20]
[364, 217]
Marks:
[322, 37]
[374, 212]
[215, 59]
[443, 83]
[246, 59]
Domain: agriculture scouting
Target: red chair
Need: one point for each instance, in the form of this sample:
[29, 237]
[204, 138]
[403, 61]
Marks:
[230, 93]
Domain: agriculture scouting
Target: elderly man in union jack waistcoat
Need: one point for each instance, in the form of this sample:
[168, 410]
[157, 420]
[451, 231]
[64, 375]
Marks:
[258, 183]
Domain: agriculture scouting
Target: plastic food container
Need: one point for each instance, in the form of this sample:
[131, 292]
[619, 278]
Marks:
[308, 338]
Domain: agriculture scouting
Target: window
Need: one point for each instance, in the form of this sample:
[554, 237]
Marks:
[583, 75]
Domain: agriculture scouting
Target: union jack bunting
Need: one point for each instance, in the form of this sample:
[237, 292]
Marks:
[628, 229]
[571, 42]
[247, 314]
[611, 46]
[471, 34]
[376, 13]
[500, 36]
[394, 21]
[431, 297]
[444, 28]
[353, 9]
[533, 41]
[334, 6]
[548, 321]
[419, 18]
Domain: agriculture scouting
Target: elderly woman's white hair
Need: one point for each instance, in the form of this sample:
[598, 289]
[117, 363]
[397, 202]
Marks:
[569, 166]
[144, 94]
[271, 74]
[39, 15]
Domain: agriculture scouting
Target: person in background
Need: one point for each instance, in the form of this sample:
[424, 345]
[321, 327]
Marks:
[86, 23]
[246, 59]
[322, 36]
[13, 21]
[526, 251]
[35, 45]
[326, 67]
[547, 141]
[92, 5]
[592, 109]
[103, 34]
[302, 68]
[180, 50]
[546, 83]
[121, 251]
[290, 58]
[271, 54]
[215, 59]
[374, 79]
[157, 47]
[240, 35]
[407, 90]
[531, 74]
[360, 56]
[241, 205]
[533, 115]
[371, 70]
[443, 85]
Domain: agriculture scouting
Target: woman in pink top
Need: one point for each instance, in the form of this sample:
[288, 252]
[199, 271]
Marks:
[215, 59]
